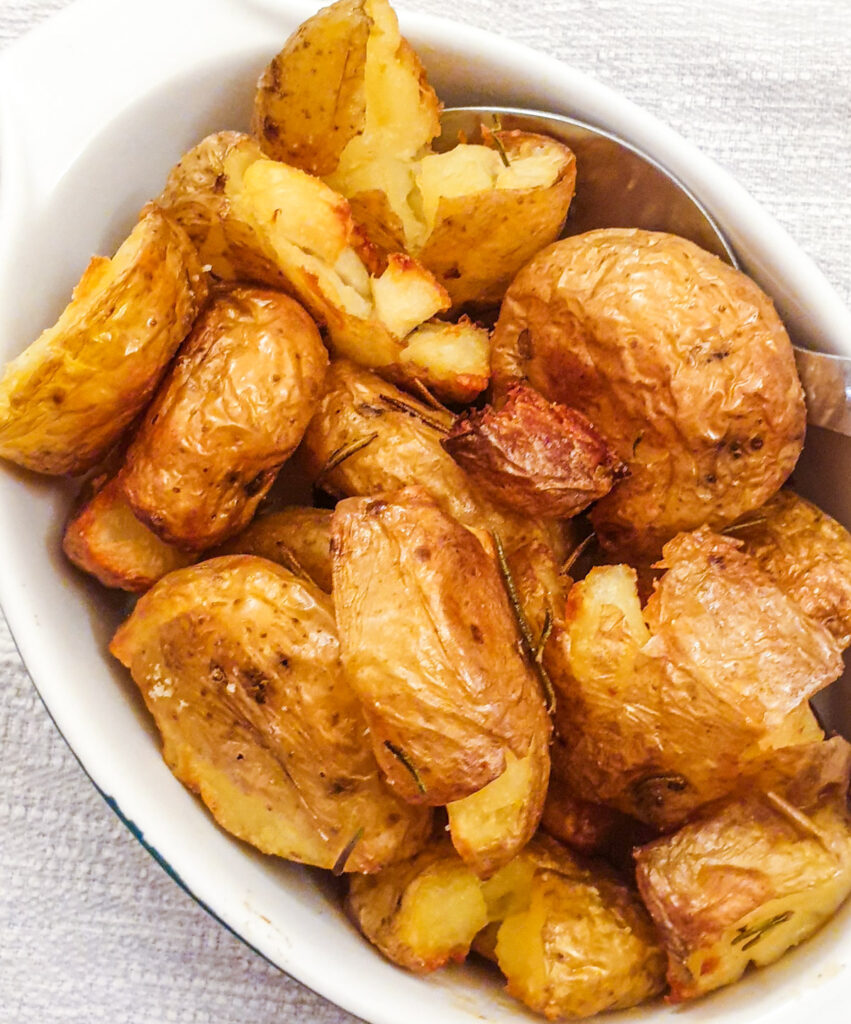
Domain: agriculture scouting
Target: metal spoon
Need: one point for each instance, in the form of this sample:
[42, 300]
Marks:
[619, 186]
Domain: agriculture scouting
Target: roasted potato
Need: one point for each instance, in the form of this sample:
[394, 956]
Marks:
[430, 644]
[581, 943]
[239, 663]
[67, 399]
[423, 912]
[807, 554]
[297, 538]
[677, 359]
[532, 456]
[490, 827]
[662, 711]
[232, 410]
[752, 877]
[105, 539]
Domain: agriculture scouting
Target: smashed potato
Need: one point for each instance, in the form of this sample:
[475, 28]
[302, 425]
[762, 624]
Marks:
[678, 360]
[105, 539]
[807, 554]
[532, 456]
[429, 643]
[239, 663]
[232, 411]
[662, 711]
[752, 877]
[70, 396]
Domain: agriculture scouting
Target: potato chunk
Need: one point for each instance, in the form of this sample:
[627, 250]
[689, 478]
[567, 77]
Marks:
[680, 362]
[582, 943]
[430, 645]
[232, 411]
[105, 539]
[661, 716]
[532, 456]
[297, 538]
[239, 663]
[421, 913]
[807, 554]
[752, 877]
[67, 399]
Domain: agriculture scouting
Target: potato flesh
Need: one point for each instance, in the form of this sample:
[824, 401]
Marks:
[70, 396]
[445, 690]
[233, 409]
[105, 539]
[451, 359]
[658, 721]
[238, 662]
[743, 885]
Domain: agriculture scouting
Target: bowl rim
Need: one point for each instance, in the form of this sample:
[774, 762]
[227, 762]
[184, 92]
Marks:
[814, 307]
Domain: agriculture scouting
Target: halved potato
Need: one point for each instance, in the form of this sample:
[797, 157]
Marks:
[679, 361]
[70, 396]
[430, 645]
[663, 715]
[752, 877]
[239, 663]
[105, 539]
[233, 409]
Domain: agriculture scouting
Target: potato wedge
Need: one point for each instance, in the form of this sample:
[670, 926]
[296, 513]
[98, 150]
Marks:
[807, 554]
[663, 715]
[421, 913]
[70, 396]
[105, 539]
[297, 538]
[239, 663]
[752, 877]
[532, 456]
[451, 359]
[678, 360]
[233, 409]
[582, 943]
[430, 645]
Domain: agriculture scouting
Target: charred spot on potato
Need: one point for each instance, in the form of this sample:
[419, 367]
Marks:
[653, 790]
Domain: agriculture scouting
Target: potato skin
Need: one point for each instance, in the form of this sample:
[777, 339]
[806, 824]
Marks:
[430, 646]
[680, 362]
[532, 456]
[239, 663]
[807, 554]
[296, 537]
[232, 410]
[105, 539]
[68, 398]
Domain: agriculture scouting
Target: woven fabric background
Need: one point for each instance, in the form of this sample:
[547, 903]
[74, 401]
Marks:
[91, 929]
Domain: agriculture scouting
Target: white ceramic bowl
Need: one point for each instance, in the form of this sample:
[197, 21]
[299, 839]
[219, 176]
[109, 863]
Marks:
[89, 126]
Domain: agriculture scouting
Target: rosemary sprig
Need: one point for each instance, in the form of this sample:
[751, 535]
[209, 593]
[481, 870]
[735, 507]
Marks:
[796, 817]
[750, 936]
[346, 451]
[545, 635]
[745, 525]
[412, 410]
[501, 150]
[429, 398]
[401, 756]
[577, 553]
[528, 644]
[346, 852]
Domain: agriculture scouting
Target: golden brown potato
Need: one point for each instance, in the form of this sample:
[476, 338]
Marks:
[490, 827]
[678, 360]
[232, 410]
[532, 456]
[752, 877]
[239, 663]
[451, 359]
[421, 913]
[430, 645]
[661, 716]
[297, 538]
[67, 399]
[582, 943]
[807, 554]
[104, 538]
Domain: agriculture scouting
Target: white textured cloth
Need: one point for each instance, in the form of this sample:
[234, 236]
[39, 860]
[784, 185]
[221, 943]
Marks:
[91, 930]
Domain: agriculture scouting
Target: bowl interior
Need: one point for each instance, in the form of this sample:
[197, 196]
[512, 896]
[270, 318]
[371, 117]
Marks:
[62, 621]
